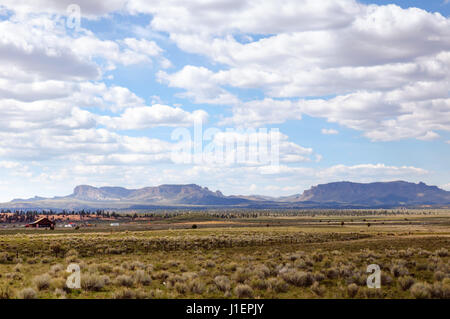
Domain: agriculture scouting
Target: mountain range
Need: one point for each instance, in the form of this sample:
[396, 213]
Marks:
[332, 195]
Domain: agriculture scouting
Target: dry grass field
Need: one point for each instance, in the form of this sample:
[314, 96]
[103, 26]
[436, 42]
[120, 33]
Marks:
[320, 255]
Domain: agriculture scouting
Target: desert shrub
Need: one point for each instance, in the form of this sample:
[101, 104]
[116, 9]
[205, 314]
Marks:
[58, 283]
[14, 276]
[345, 271]
[172, 280]
[222, 283]
[277, 285]
[332, 273]
[420, 290]
[358, 278]
[439, 275]
[181, 288]
[352, 290]
[319, 276]
[27, 293]
[93, 282]
[125, 281]
[161, 275]
[42, 282]
[259, 283]
[231, 266]
[298, 278]
[318, 289]
[31, 261]
[196, 286]
[124, 294]
[55, 269]
[262, 271]
[18, 268]
[406, 282]
[4, 258]
[386, 280]
[443, 252]
[72, 253]
[317, 257]
[241, 275]
[136, 265]
[60, 293]
[5, 292]
[105, 268]
[398, 271]
[142, 278]
[372, 293]
[421, 266]
[243, 291]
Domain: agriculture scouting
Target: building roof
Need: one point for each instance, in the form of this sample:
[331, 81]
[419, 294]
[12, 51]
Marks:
[42, 219]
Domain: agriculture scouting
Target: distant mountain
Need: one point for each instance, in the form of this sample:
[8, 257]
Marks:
[374, 194]
[332, 195]
[161, 195]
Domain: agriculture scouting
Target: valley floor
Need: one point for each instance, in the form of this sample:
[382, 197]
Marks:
[301, 256]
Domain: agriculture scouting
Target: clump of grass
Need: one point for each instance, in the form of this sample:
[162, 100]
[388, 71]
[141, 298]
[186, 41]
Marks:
[298, 278]
[386, 280]
[277, 285]
[18, 268]
[439, 275]
[93, 282]
[60, 293]
[125, 281]
[56, 269]
[318, 289]
[4, 258]
[443, 252]
[27, 293]
[125, 294]
[406, 282]
[223, 283]
[105, 268]
[161, 275]
[420, 290]
[352, 290]
[42, 282]
[372, 293]
[332, 273]
[259, 283]
[196, 286]
[135, 265]
[241, 275]
[231, 266]
[5, 292]
[142, 278]
[58, 283]
[399, 271]
[243, 291]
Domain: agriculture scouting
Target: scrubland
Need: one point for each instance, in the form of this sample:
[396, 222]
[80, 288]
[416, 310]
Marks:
[280, 257]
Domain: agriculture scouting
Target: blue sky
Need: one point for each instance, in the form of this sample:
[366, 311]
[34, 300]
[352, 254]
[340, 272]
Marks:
[358, 90]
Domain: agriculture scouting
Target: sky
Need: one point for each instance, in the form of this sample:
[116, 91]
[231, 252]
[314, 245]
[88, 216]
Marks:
[104, 93]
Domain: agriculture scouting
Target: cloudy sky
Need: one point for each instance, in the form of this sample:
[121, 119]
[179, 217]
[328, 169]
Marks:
[359, 91]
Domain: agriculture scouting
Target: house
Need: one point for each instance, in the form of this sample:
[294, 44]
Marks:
[43, 222]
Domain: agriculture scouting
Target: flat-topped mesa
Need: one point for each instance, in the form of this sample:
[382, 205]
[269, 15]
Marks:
[399, 192]
[165, 194]
[332, 195]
